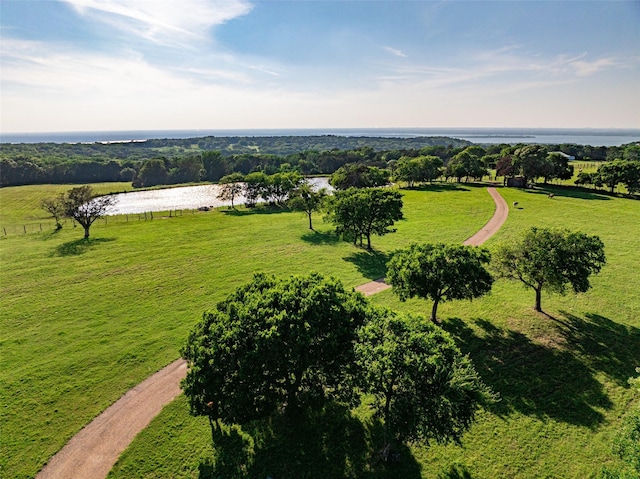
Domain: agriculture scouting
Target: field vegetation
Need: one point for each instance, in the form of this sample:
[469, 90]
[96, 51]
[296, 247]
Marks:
[83, 321]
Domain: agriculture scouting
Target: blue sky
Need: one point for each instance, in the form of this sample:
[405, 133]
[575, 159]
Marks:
[81, 65]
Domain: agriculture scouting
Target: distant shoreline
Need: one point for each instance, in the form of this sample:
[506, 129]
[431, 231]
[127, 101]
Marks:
[584, 136]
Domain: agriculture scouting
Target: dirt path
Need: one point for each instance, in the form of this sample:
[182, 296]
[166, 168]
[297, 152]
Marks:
[487, 231]
[92, 452]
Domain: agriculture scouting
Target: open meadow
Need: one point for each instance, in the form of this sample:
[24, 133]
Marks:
[84, 322]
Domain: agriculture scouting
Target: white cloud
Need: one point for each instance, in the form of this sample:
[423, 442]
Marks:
[166, 22]
[584, 68]
[395, 52]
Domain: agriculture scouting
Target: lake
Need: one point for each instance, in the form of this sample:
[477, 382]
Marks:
[181, 198]
[581, 136]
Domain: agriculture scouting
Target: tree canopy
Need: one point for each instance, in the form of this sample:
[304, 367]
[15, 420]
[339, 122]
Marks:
[273, 344]
[423, 386]
[439, 272]
[306, 198]
[83, 206]
[551, 260]
[358, 175]
[231, 187]
[361, 212]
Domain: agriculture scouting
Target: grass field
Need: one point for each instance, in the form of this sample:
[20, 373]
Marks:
[84, 322]
[561, 377]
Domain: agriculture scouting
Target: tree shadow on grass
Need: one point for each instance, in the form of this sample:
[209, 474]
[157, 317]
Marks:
[568, 192]
[78, 247]
[456, 472]
[439, 187]
[371, 264]
[545, 381]
[604, 345]
[257, 210]
[327, 444]
[321, 237]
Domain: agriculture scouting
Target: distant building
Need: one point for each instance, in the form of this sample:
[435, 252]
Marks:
[516, 182]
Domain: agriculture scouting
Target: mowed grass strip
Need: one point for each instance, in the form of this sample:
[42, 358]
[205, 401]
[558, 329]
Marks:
[82, 322]
[561, 378]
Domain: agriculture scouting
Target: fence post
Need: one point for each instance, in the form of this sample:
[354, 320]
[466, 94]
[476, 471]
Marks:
[40, 226]
[25, 228]
[5, 230]
[151, 213]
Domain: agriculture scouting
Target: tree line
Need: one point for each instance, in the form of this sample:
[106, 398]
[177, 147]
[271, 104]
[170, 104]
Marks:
[158, 162]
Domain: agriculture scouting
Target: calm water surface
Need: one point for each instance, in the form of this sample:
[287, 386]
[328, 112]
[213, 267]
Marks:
[181, 198]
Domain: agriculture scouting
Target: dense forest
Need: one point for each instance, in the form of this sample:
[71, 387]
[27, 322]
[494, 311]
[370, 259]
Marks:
[173, 161]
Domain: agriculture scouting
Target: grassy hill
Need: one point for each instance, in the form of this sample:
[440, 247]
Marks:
[82, 323]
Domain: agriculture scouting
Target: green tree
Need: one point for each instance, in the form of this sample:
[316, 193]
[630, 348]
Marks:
[307, 199]
[416, 170]
[530, 161]
[557, 167]
[283, 184]
[550, 260]
[153, 172]
[186, 170]
[55, 207]
[631, 175]
[407, 169]
[256, 186]
[231, 187]
[439, 272]
[215, 166]
[361, 212]
[358, 175]
[273, 344]
[466, 164]
[423, 387]
[83, 206]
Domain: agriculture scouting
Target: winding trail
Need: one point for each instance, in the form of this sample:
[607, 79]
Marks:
[92, 452]
[486, 232]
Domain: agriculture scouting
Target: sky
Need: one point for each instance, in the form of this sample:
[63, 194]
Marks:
[95, 65]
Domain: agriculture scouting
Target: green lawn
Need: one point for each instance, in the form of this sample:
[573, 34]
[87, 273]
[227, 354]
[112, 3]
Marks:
[84, 322]
[561, 376]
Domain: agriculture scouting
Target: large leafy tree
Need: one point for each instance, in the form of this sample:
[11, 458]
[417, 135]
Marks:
[306, 198]
[273, 344]
[82, 205]
[530, 161]
[416, 170]
[423, 387]
[281, 185]
[256, 186]
[551, 260]
[362, 212]
[466, 163]
[358, 175]
[439, 272]
[153, 172]
[231, 187]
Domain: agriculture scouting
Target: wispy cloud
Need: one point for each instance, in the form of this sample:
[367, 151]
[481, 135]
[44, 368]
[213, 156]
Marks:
[584, 68]
[395, 51]
[164, 22]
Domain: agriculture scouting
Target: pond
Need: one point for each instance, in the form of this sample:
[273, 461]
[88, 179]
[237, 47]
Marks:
[181, 198]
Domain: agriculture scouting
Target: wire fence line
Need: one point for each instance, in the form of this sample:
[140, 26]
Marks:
[48, 225]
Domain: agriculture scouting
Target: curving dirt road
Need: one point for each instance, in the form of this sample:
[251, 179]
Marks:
[92, 452]
[487, 231]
